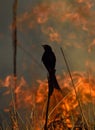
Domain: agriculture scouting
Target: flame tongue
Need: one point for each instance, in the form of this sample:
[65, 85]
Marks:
[35, 99]
[84, 86]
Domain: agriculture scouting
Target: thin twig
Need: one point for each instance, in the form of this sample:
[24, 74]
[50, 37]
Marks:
[47, 108]
[14, 36]
[74, 87]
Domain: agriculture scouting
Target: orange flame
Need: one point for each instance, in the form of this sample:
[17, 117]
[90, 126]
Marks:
[29, 98]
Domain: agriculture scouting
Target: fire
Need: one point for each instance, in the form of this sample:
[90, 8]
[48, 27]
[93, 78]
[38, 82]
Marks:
[41, 12]
[23, 92]
[91, 46]
[66, 104]
[53, 35]
[6, 110]
[84, 86]
[41, 92]
[7, 81]
[69, 104]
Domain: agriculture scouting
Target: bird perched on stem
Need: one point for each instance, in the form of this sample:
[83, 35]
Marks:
[49, 61]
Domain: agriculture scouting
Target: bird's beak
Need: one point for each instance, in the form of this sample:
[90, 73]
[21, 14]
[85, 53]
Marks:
[43, 46]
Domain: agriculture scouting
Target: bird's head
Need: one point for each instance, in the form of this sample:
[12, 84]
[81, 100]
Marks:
[47, 47]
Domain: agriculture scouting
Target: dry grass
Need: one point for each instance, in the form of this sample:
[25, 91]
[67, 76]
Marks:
[57, 120]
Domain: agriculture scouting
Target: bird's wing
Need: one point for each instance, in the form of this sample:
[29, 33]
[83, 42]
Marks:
[49, 60]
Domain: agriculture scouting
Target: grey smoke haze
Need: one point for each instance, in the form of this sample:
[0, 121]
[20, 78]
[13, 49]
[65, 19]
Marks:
[57, 23]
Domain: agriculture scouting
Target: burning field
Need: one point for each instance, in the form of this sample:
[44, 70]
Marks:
[74, 108]
[24, 85]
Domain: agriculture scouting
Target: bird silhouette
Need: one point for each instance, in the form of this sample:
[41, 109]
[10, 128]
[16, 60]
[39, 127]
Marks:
[48, 58]
[49, 61]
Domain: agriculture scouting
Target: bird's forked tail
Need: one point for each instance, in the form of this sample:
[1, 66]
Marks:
[53, 83]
